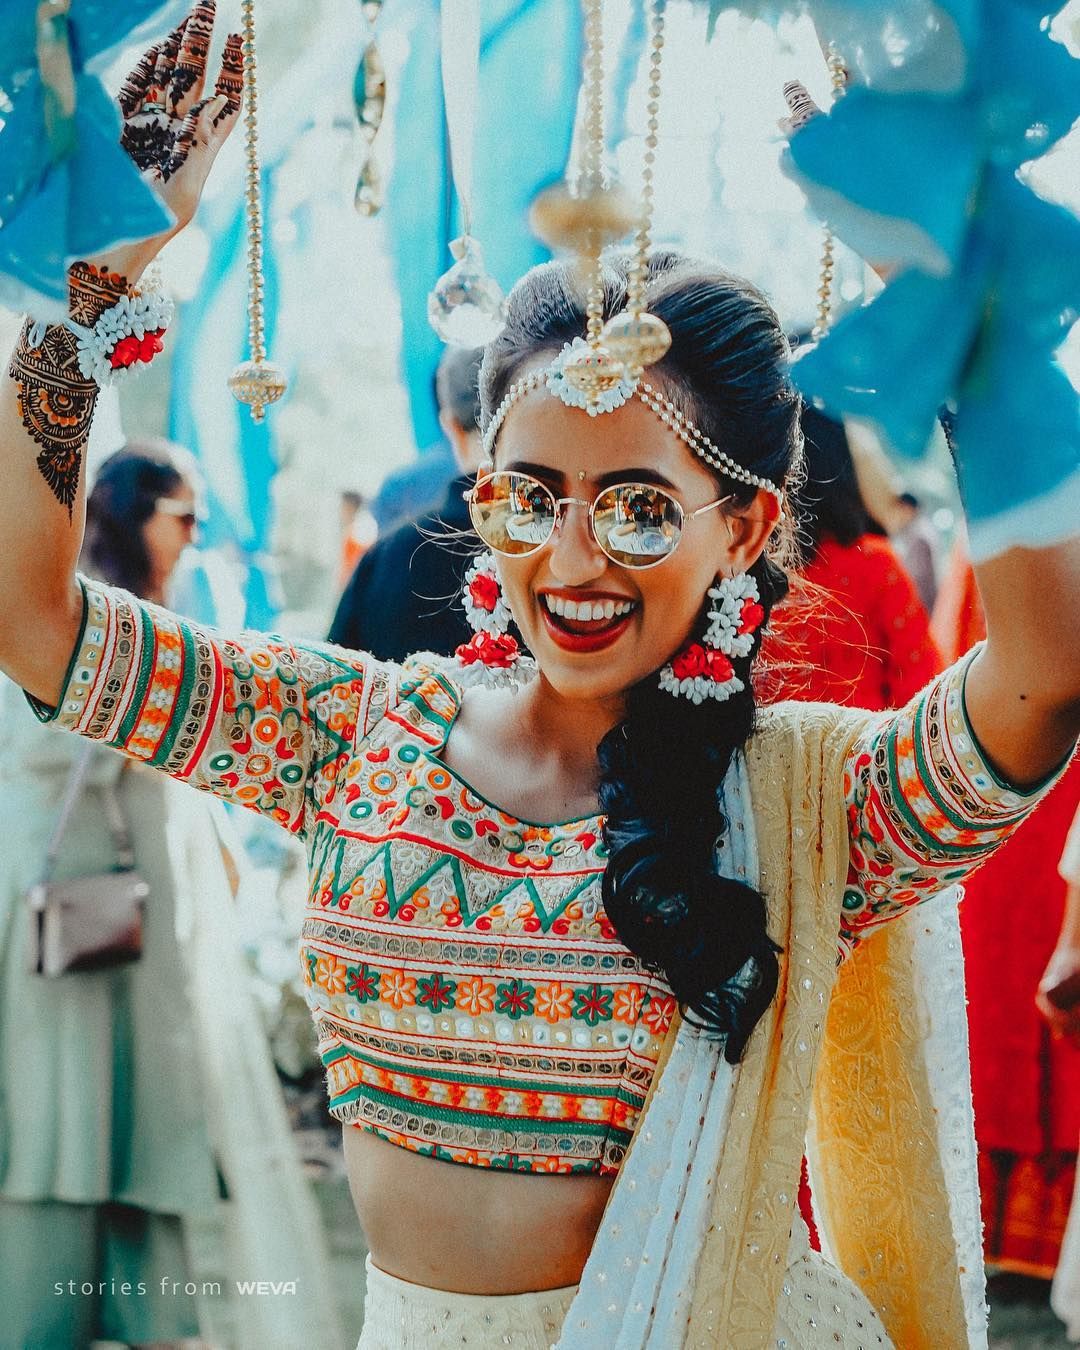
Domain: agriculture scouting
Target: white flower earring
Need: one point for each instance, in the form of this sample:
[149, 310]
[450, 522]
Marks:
[493, 656]
[704, 669]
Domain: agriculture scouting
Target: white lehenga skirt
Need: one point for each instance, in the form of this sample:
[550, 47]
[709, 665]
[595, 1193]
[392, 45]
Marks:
[819, 1306]
[403, 1316]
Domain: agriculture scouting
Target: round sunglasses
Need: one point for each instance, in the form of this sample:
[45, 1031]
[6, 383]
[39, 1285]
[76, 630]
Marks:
[635, 524]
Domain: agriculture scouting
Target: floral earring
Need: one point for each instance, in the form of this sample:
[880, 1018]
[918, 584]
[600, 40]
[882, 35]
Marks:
[704, 669]
[492, 657]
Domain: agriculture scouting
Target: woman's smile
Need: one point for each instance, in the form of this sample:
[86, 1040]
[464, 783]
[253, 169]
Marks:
[585, 620]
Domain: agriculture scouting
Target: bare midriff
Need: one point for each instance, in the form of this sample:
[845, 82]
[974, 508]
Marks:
[471, 1230]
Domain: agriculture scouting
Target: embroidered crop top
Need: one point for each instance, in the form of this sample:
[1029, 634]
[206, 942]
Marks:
[471, 1000]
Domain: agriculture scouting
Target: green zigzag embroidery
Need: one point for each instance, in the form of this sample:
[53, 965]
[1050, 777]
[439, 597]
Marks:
[336, 741]
[446, 861]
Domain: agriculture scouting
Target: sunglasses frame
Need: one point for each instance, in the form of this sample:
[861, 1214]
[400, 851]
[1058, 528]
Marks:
[685, 516]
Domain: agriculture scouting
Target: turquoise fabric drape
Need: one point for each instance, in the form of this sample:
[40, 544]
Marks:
[529, 74]
[989, 273]
[67, 189]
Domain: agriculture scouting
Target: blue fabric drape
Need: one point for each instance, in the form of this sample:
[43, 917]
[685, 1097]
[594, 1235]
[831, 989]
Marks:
[529, 73]
[989, 277]
[78, 193]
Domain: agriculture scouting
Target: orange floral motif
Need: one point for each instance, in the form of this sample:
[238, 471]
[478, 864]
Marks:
[554, 1002]
[628, 1004]
[330, 973]
[475, 996]
[399, 989]
[659, 1013]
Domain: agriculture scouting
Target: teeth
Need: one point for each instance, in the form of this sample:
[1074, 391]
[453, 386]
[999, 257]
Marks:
[587, 611]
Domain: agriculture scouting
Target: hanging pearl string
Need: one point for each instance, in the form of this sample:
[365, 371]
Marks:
[643, 238]
[838, 80]
[592, 157]
[256, 323]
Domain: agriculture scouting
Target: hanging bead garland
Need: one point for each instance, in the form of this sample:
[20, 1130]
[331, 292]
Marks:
[595, 371]
[466, 306]
[838, 80]
[257, 381]
[369, 97]
[636, 338]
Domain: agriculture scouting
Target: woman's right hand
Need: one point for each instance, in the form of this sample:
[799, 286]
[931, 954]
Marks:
[172, 129]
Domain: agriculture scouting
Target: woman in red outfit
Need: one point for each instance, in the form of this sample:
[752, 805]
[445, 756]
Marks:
[856, 631]
[1024, 1082]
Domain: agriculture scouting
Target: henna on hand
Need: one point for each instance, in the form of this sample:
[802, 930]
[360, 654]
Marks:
[801, 107]
[148, 137]
[191, 63]
[55, 400]
[230, 80]
[185, 139]
[133, 90]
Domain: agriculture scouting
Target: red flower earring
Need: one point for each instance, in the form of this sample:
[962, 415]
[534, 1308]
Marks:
[704, 669]
[493, 656]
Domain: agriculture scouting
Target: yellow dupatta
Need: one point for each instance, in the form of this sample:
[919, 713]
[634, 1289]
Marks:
[850, 1046]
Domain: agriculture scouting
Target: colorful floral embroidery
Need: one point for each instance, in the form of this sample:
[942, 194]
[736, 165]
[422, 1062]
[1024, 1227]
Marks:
[472, 1001]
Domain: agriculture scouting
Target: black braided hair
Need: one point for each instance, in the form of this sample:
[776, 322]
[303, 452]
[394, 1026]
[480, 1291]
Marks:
[662, 766]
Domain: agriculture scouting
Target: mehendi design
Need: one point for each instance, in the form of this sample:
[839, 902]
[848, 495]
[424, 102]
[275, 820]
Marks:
[191, 62]
[148, 137]
[56, 401]
[185, 139]
[133, 90]
[158, 128]
[230, 81]
[801, 106]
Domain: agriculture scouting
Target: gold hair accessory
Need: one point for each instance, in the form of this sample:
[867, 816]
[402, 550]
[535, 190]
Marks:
[555, 381]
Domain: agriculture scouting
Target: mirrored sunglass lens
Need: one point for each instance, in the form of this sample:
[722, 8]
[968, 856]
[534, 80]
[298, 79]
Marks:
[513, 513]
[637, 525]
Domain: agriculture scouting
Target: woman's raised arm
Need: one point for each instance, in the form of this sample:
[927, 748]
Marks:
[46, 404]
[1023, 688]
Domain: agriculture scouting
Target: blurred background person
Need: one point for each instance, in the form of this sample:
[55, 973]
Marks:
[359, 530]
[916, 543]
[404, 595]
[855, 630]
[115, 1149]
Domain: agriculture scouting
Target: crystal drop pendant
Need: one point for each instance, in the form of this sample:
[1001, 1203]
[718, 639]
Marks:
[467, 307]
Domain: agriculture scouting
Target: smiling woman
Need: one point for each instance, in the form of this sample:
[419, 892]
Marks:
[726, 377]
[602, 907]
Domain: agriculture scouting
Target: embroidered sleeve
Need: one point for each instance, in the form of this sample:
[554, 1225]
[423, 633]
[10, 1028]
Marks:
[924, 807]
[255, 719]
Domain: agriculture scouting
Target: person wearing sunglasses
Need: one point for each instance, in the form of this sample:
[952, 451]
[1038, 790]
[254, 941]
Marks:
[575, 901]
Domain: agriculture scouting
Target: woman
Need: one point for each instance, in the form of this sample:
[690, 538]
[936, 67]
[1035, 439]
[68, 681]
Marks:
[504, 919]
[857, 633]
[104, 1177]
[97, 1177]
